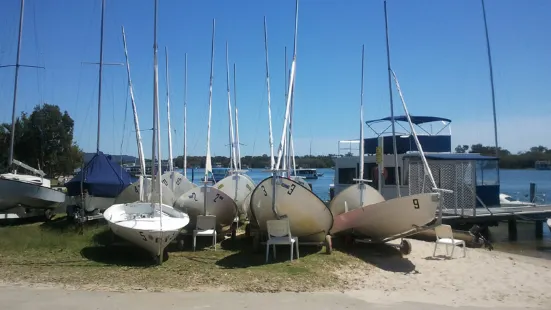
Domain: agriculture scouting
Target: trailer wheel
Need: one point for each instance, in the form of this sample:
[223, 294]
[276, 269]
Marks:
[328, 244]
[405, 247]
[180, 244]
[48, 215]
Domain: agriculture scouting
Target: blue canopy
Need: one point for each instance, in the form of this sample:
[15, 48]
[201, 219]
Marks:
[417, 120]
[101, 177]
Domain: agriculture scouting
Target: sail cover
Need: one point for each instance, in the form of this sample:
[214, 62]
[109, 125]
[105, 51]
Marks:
[101, 177]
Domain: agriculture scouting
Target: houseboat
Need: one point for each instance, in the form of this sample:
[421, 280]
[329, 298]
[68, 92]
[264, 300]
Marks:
[543, 165]
[135, 170]
[307, 173]
[473, 178]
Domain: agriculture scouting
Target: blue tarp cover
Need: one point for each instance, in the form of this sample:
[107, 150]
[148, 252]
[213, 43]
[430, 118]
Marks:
[102, 178]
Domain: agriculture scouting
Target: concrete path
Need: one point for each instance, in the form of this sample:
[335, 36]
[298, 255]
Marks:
[37, 298]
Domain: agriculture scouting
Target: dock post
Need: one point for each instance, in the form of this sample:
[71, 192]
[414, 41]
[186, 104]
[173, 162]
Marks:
[539, 229]
[512, 229]
[532, 192]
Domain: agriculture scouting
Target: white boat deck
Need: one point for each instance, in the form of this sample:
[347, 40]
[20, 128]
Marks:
[501, 212]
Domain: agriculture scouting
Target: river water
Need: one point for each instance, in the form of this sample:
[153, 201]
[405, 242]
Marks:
[513, 182]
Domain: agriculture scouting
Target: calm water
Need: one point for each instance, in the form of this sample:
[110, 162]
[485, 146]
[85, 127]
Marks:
[513, 182]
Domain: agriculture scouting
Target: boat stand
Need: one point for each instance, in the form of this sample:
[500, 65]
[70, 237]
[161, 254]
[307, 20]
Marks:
[404, 246]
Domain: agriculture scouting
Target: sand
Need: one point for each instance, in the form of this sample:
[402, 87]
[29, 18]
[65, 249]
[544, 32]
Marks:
[482, 278]
[418, 281]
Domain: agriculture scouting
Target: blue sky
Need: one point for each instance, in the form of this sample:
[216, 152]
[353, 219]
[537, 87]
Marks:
[437, 50]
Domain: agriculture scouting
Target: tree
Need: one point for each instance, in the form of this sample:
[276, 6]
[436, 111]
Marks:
[461, 148]
[45, 139]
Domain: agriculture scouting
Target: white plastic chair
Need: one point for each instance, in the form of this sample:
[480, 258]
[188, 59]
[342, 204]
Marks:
[206, 227]
[444, 235]
[279, 233]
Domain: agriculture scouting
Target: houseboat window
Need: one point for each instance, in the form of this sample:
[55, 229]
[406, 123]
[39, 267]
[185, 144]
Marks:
[369, 174]
[487, 172]
[347, 175]
[390, 175]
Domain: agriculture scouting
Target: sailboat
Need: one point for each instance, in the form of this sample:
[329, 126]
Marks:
[178, 183]
[101, 180]
[399, 217]
[247, 203]
[208, 200]
[149, 225]
[21, 191]
[135, 192]
[359, 194]
[279, 197]
[236, 185]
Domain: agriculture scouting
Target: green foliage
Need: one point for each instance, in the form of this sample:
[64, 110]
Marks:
[320, 161]
[507, 160]
[44, 139]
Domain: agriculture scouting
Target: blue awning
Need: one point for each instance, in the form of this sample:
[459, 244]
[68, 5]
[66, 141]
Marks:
[417, 120]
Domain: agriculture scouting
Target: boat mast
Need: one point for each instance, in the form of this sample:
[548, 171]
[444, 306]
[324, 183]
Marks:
[208, 163]
[135, 111]
[185, 116]
[17, 65]
[170, 159]
[290, 147]
[291, 159]
[100, 73]
[286, 75]
[272, 160]
[491, 81]
[156, 131]
[237, 144]
[230, 119]
[395, 151]
[361, 175]
[290, 92]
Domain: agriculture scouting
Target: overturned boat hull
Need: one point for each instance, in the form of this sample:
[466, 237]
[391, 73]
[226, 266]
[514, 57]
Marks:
[132, 193]
[354, 197]
[390, 219]
[218, 203]
[309, 218]
[177, 183]
[238, 187]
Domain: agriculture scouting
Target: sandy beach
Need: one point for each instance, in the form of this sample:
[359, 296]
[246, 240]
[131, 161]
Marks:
[417, 281]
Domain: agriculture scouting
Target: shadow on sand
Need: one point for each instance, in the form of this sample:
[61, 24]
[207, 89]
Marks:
[383, 256]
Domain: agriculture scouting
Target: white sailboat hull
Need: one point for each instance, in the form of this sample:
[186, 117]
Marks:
[137, 223]
[181, 184]
[354, 197]
[218, 203]
[132, 193]
[14, 193]
[309, 217]
[384, 220]
[238, 187]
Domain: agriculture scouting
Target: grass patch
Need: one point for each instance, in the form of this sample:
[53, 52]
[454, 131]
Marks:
[56, 253]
